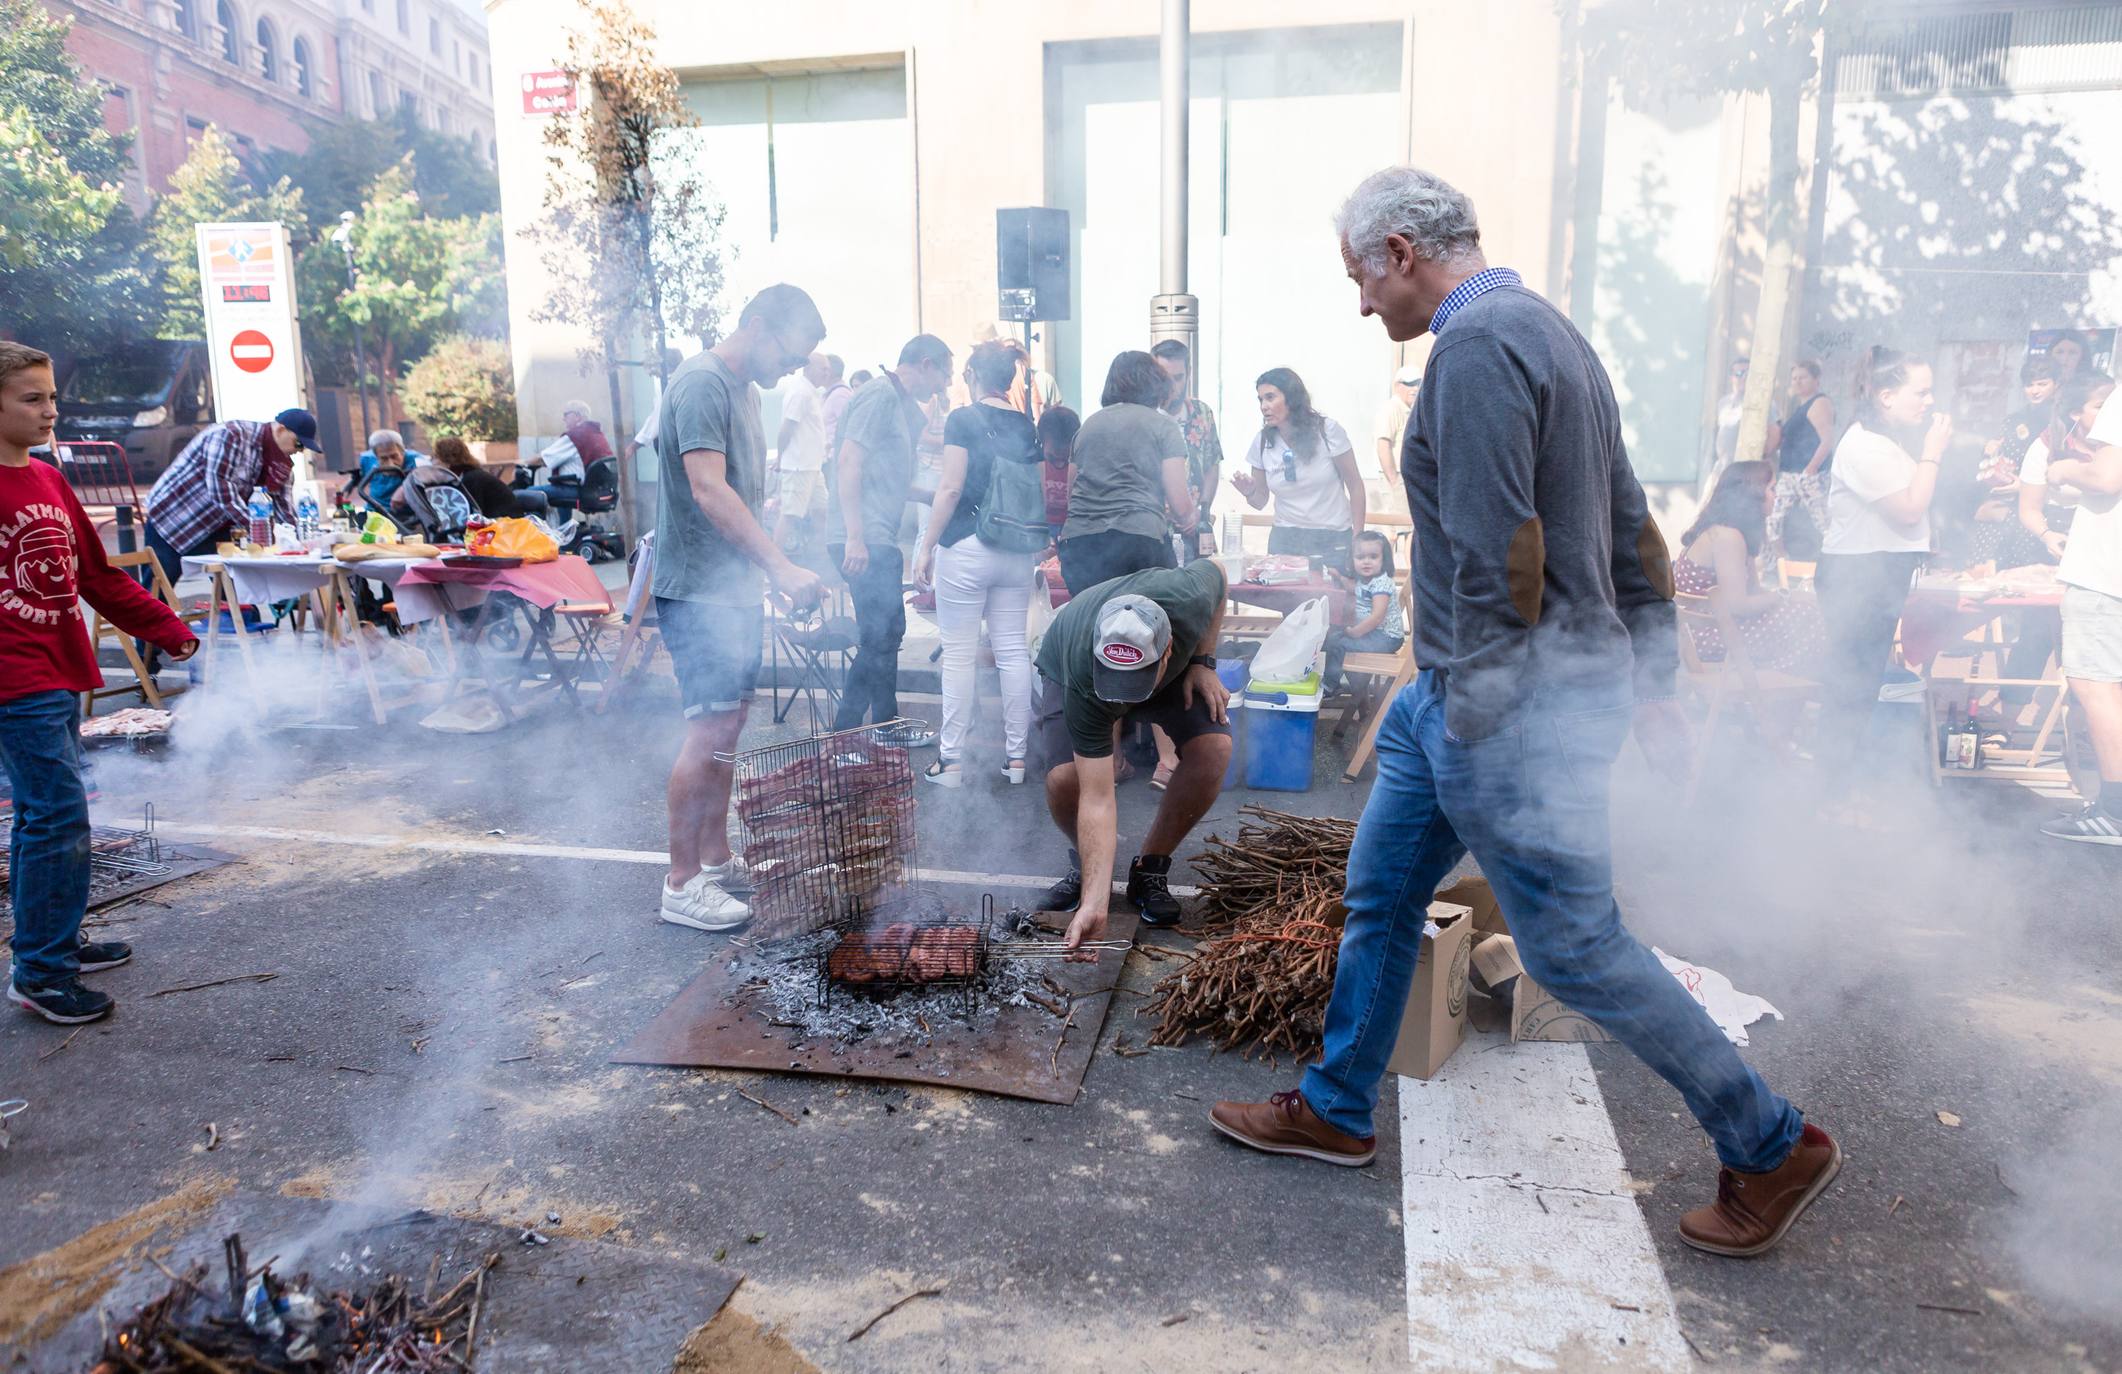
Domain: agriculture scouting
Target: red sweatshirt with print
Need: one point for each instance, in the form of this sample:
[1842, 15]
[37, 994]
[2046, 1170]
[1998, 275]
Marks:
[50, 559]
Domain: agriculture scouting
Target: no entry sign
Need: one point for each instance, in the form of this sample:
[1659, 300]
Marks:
[251, 351]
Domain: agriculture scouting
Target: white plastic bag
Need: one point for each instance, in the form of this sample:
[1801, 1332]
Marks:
[1290, 651]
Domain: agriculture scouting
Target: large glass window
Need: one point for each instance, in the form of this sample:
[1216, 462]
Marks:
[225, 16]
[268, 50]
[304, 82]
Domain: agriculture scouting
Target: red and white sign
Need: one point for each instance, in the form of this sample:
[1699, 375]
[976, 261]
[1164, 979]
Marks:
[247, 286]
[251, 351]
[548, 93]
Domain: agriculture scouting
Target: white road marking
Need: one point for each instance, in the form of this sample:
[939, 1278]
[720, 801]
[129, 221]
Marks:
[519, 850]
[1526, 1248]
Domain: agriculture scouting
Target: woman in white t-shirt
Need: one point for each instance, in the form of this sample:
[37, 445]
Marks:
[1878, 534]
[1305, 462]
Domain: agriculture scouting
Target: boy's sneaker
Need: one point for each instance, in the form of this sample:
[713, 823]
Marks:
[2095, 824]
[910, 734]
[703, 904]
[1067, 894]
[63, 1001]
[1149, 889]
[96, 955]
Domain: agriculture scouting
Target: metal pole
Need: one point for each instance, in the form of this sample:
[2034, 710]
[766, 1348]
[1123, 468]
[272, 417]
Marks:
[1173, 314]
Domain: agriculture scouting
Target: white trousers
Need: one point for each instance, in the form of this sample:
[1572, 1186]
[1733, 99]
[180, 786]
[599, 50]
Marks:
[972, 581]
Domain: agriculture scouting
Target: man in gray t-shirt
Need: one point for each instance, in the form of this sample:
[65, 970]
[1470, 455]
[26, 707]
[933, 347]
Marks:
[874, 481]
[712, 560]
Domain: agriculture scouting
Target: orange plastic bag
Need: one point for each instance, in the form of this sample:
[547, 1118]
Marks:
[513, 537]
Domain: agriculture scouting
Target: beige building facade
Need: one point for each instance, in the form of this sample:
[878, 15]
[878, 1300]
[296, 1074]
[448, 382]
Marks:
[862, 151]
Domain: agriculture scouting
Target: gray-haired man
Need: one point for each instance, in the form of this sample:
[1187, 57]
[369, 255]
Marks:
[1545, 624]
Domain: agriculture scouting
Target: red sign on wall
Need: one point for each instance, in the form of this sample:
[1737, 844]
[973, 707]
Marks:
[251, 351]
[548, 93]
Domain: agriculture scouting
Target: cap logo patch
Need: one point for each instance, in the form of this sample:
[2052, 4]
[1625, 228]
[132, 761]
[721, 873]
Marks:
[1122, 655]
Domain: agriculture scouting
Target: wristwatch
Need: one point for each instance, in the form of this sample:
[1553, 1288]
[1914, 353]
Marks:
[1207, 661]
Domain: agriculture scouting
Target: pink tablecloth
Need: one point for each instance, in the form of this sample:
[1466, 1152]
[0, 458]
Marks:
[1935, 617]
[428, 589]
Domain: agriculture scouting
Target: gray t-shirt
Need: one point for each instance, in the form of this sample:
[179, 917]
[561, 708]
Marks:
[707, 407]
[877, 419]
[1120, 456]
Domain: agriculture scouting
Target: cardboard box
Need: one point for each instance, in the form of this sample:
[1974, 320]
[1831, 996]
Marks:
[1476, 896]
[1534, 1012]
[1434, 1021]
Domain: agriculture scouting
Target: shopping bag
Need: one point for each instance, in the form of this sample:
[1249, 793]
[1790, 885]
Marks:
[513, 537]
[1289, 652]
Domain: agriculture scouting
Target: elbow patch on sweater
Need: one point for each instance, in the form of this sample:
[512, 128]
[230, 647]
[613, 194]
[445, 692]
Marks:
[1525, 569]
[1656, 560]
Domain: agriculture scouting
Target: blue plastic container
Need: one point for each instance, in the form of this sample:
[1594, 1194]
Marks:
[1234, 672]
[1281, 732]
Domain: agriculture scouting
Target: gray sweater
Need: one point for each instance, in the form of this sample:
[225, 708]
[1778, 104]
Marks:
[1538, 572]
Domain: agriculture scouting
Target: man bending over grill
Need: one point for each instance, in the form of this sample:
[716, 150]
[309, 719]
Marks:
[1137, 648]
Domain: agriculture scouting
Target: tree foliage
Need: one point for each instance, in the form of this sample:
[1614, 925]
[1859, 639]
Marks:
[71, 276]
[211, 188]
[630, 235]
[344, 159]
[466, 387]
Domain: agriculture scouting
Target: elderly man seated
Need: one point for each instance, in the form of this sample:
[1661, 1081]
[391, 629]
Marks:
[383, 467]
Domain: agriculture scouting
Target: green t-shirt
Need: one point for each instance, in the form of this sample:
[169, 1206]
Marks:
[707, 407]
[877, 419]
[1120, 455]
[1189, 596]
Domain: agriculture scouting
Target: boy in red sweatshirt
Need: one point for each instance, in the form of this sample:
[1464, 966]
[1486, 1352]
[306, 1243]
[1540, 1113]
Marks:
[51, 558]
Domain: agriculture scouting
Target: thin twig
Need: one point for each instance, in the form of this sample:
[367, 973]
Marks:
[859, 1331]
[61, 1045]
[1948, 1307]
[471, 1332]
[769, 1106]
[217, 982]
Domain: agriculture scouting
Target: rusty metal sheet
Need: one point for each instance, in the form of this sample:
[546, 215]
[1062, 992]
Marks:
[707, 1026]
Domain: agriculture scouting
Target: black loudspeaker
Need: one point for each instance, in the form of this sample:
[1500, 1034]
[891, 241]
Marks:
[1031, 264]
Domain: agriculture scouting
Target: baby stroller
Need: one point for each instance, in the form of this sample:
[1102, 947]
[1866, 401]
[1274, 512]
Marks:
[438, 507]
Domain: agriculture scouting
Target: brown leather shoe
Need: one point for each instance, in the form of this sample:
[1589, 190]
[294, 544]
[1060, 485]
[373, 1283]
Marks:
[1753, 1211]
[1285, 1124]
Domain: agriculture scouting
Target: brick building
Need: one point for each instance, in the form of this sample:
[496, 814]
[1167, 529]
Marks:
[266, 71]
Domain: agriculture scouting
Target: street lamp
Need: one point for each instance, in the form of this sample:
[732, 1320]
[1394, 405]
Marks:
[344, 237]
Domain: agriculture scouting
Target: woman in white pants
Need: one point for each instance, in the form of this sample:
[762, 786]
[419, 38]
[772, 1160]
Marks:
[978, 577]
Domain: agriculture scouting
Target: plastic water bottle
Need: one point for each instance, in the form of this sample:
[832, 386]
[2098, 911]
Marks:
[261, 519]
[306, 516]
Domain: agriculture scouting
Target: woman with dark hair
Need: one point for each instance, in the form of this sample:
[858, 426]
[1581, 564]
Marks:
[1878, 534]
[974, 578]
[491, 496]
[1130, 469]
[1779, 630]
[2071, 352]
[1305, 462]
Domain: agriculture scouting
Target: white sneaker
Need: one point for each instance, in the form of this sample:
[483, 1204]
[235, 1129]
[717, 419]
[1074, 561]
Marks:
[703, 904]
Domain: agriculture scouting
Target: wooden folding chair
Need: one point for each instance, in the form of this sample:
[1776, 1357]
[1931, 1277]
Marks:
[1795, 574]
[1736, 674]
[143, 681]
[1394, 671]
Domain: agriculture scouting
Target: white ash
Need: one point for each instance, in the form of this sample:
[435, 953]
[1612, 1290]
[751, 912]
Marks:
[782, 977]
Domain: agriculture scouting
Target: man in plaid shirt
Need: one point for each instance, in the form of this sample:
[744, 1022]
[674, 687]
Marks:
[209, 487]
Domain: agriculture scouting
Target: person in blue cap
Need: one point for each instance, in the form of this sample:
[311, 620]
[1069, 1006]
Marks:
[208, 488]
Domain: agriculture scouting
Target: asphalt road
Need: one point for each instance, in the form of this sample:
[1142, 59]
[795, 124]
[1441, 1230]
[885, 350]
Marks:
[441, 1024]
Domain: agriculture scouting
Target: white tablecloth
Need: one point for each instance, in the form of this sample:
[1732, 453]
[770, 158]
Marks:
[263, 580]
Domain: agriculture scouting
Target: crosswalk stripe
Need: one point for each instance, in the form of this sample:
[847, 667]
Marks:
[1526, 1247]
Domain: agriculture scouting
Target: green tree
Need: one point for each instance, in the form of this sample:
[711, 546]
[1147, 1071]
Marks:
[70, 277]
[343, 159]
[465, 387]
[1653, 48]
[630, 235]
[210, 188]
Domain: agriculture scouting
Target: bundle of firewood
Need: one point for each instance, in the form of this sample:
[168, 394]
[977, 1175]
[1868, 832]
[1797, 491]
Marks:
[1271, 908]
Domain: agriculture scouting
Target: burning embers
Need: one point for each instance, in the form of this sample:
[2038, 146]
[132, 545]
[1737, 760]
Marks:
[257, 1321]
[828, 828]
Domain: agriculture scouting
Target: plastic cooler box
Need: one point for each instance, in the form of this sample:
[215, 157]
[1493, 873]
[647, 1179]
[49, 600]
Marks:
[1282, 725]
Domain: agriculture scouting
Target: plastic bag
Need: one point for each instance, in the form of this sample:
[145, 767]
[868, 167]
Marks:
[1290, 651]
[514, 537]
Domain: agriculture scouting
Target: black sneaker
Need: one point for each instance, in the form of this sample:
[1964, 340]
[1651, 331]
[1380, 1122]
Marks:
[102, 954]
[1148, 889]
[2095, 824]
[65, 1001]
[1067, 894]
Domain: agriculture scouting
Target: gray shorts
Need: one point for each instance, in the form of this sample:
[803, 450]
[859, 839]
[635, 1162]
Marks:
[2092, 635]
[714, 650]
[1167, 710]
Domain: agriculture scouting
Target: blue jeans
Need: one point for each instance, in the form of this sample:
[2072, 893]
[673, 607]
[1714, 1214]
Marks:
[40, 743]
[1530, 802]
[1340, 644]
[560, 498]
